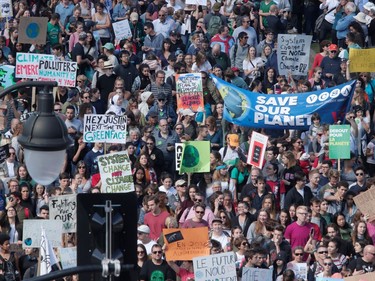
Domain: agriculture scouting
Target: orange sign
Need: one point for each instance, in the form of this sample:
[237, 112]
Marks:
[189, 91]
[186, 243]
[363, 277]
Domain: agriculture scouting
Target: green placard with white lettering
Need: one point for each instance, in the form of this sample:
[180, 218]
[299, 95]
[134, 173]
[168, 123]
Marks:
[339, 142]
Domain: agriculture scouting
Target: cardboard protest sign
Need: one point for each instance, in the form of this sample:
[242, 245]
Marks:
[6, 8]
[189, 91]
[4, 152]
[64, 208]
[32, 232]
[339, 142]
[68, 257]
[300, 269]
[122, 29]
[328, 279]
[365, 202]
[362, 60]
[104, 128]
[115, 173]
[185, 243]
[64, 72]
[32, 30]
[7, 76]
[256, 274]
[195, 157]
[27, 64]
[215, 267]
[362, 277]
[293, 54]
[257, 149]
[179, 148]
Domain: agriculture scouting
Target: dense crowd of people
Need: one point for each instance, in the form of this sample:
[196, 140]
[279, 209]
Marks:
[298, 209]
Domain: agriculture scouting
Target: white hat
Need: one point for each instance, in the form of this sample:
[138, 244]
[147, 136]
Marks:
[368, 6]
[361, 17]
[107, 64]
[188, 111]
[144, 229]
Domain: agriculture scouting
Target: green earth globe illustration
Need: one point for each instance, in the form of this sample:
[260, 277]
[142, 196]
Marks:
[235, 102]
[32, 30]
[191, 156]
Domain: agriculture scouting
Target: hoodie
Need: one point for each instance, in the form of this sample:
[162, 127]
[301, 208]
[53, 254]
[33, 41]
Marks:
[280, 256]
[143, 106]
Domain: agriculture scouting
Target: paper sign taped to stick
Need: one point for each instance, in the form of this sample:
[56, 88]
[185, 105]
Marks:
[27, 64]
[362, 60]
[186, 243]
[68, 257]
[104, 128]
[64, 72]
[256, 274]
[179, 148]
[257, 149]
[195, 157]
[64, 208]
[365, 202]
[339, 142]
[122, 29]
[215, 267]
[32, 232]
[32, 30]
[115, 173]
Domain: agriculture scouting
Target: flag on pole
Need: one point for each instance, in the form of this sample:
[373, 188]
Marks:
[47, 255]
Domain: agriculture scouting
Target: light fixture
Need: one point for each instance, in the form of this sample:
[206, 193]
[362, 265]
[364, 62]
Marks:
[45, 140]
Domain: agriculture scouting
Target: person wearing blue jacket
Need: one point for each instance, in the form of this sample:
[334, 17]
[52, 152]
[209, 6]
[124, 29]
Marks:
[342, 26]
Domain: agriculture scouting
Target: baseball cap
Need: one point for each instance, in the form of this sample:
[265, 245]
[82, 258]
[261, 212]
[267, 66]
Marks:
[333, 47]
[109, 46]
[144, 229]
[233, 140]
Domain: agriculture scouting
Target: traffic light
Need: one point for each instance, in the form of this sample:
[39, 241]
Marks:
[92, 228]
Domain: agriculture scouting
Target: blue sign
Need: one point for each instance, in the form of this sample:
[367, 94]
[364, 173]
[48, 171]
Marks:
[289, 111]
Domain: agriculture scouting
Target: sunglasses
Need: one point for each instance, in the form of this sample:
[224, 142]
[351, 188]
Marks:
[140, 252]
[161, 100]
[223, 218]
[57, 109]
[333, 51]
[328, 263]
[198, 200]
[12, 153]
[298, 254]
[179, 128]
[323, 252]
[79, 81]
[199, 212]
[157, 252]
[359, 174]
[81, 167]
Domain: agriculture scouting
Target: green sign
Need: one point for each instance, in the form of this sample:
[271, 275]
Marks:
[195, 157]
[339, 141]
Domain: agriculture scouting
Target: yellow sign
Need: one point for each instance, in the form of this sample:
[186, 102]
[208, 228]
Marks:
[362, 60]
[186, 243]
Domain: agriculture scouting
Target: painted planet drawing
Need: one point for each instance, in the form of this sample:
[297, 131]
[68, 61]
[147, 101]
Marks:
[191, 156]
[32, 30]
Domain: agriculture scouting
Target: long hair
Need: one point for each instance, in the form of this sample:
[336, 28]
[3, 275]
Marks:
[258, 225]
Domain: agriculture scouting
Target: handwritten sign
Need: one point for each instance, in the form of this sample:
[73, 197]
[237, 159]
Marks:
[189, 91]
[104, 128]
[27, 64]
[328, 279]
[293, 54]
[339, 142]
[300, 269]
[68, 257]
[256, 274]
[365, 202]
[32, 30]
[122, 29]
[186, 243]
[215, 267]
[257, 149]
[7, 76]
[64, 72]
[362, 60]
[6, 8]
[115, 173]
[363, 277]
[32, 232]
[64, 208]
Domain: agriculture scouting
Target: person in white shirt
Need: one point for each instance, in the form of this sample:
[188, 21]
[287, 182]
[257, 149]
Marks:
[144, 238]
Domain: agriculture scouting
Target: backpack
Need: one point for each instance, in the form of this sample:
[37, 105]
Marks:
[214, 25]
[320, 19]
